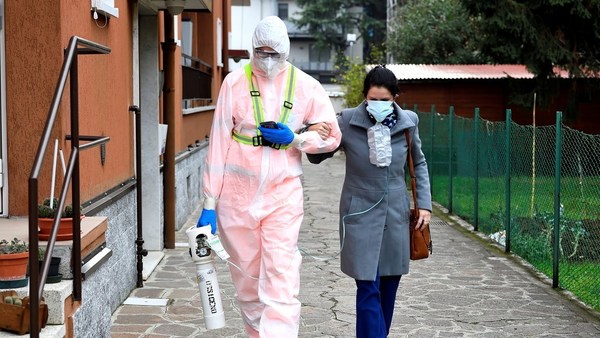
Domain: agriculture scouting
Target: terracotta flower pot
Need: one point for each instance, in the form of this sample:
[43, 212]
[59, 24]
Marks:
[13, 266]
[65, 229]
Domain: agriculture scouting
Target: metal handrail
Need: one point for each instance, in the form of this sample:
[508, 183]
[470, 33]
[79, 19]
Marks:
[37, 282]
[94, 140]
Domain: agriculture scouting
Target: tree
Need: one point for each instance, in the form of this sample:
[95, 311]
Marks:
[352, 81]
[328, 21]
[541, 34]
[433, 32]
[544, 36]
[352, 77]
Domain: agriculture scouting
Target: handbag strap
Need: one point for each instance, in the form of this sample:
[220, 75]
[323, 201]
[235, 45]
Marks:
[411, 169]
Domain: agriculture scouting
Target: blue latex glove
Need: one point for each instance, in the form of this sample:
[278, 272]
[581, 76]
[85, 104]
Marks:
[283, 135]
[208, 217]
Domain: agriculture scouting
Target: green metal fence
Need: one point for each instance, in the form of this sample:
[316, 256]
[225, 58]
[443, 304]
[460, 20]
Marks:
[535, 190]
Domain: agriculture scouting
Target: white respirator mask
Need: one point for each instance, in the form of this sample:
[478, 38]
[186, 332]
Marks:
[269, 66]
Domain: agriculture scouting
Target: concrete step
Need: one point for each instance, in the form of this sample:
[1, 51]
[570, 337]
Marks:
[151, 262]
[50, 331]
[58, 295]
[54, 295]
[93, 230]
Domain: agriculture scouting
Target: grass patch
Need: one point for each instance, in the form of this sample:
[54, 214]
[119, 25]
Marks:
[532, 223]
[579, 278]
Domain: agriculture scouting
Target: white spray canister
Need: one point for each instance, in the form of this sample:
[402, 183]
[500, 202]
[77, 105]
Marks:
[206, 276]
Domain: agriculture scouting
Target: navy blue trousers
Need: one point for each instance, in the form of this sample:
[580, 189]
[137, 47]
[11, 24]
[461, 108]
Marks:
[375, 306]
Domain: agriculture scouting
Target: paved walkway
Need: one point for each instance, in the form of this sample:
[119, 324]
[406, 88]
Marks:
[466, 289]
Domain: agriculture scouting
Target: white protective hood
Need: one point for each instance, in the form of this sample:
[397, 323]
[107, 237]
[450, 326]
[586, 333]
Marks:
[272, 32]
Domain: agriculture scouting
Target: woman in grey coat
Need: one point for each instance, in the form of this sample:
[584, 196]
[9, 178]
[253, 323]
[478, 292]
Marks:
[374, 205]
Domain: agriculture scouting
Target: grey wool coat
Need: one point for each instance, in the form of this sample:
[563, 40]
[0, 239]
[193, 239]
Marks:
[378, 237]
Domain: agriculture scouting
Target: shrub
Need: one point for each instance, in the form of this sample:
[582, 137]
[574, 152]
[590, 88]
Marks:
[12, 247]
[352, 81]
[44, 210]
[41, 253]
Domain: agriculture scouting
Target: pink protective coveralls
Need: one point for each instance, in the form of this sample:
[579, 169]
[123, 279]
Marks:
[256, 191]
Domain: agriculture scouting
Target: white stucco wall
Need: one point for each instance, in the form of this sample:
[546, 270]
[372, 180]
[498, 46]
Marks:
[243, 21]
[245, 18]
[299, 52]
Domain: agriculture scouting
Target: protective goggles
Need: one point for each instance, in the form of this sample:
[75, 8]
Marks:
[261, 54]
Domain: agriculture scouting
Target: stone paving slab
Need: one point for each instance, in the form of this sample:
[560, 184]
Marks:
[466, 289]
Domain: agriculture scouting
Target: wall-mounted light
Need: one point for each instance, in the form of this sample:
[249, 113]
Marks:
[351, 38]
[104, 7]
[175, 7]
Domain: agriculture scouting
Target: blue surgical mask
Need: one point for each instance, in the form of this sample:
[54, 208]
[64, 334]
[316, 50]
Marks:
[379, 109]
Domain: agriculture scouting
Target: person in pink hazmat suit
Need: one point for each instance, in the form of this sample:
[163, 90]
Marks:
[252, 185]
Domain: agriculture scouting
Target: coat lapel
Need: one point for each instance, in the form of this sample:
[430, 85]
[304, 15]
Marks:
[360, 118]
[404, 121]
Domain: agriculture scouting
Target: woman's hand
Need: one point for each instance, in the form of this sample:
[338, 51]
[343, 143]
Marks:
[321, 128]
[424, 219]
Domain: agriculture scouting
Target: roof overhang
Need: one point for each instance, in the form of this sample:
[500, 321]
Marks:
[458, 72]
[416, 72]
[240, 2]
[175, 7]
[238, 54]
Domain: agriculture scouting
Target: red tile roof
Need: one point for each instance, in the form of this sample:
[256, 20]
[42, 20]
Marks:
[450, 72]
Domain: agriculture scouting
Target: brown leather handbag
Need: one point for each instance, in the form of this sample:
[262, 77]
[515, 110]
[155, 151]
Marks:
[420, 240]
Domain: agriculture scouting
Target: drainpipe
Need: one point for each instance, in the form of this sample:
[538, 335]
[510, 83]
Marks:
[140, 251]
[168, 48]
[226, 10]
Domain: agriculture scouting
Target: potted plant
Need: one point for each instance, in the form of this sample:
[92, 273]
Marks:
[14, 256]
[46, 215]
[53, 275]
[14, 312]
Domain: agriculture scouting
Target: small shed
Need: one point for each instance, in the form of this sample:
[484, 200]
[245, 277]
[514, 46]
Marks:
[488, 87]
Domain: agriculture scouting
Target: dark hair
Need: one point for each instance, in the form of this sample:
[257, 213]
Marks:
[380, 76]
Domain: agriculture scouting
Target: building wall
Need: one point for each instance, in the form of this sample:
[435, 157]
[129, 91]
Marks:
[243, 21]
[196, 127]
[299, 52]
[293, 8]
[492, 98]
[106, 288]
[188, 182]
[464, 96]
[587, 121]
[34, 55]
[37, 32]
[30, 81]
[150, 116]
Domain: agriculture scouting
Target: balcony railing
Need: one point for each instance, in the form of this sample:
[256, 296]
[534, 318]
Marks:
[315, 65]
[197, 78]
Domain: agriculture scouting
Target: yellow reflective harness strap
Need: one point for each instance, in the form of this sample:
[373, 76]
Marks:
[255, 95]
[242, 138]
[288, 103]
[258, 109]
